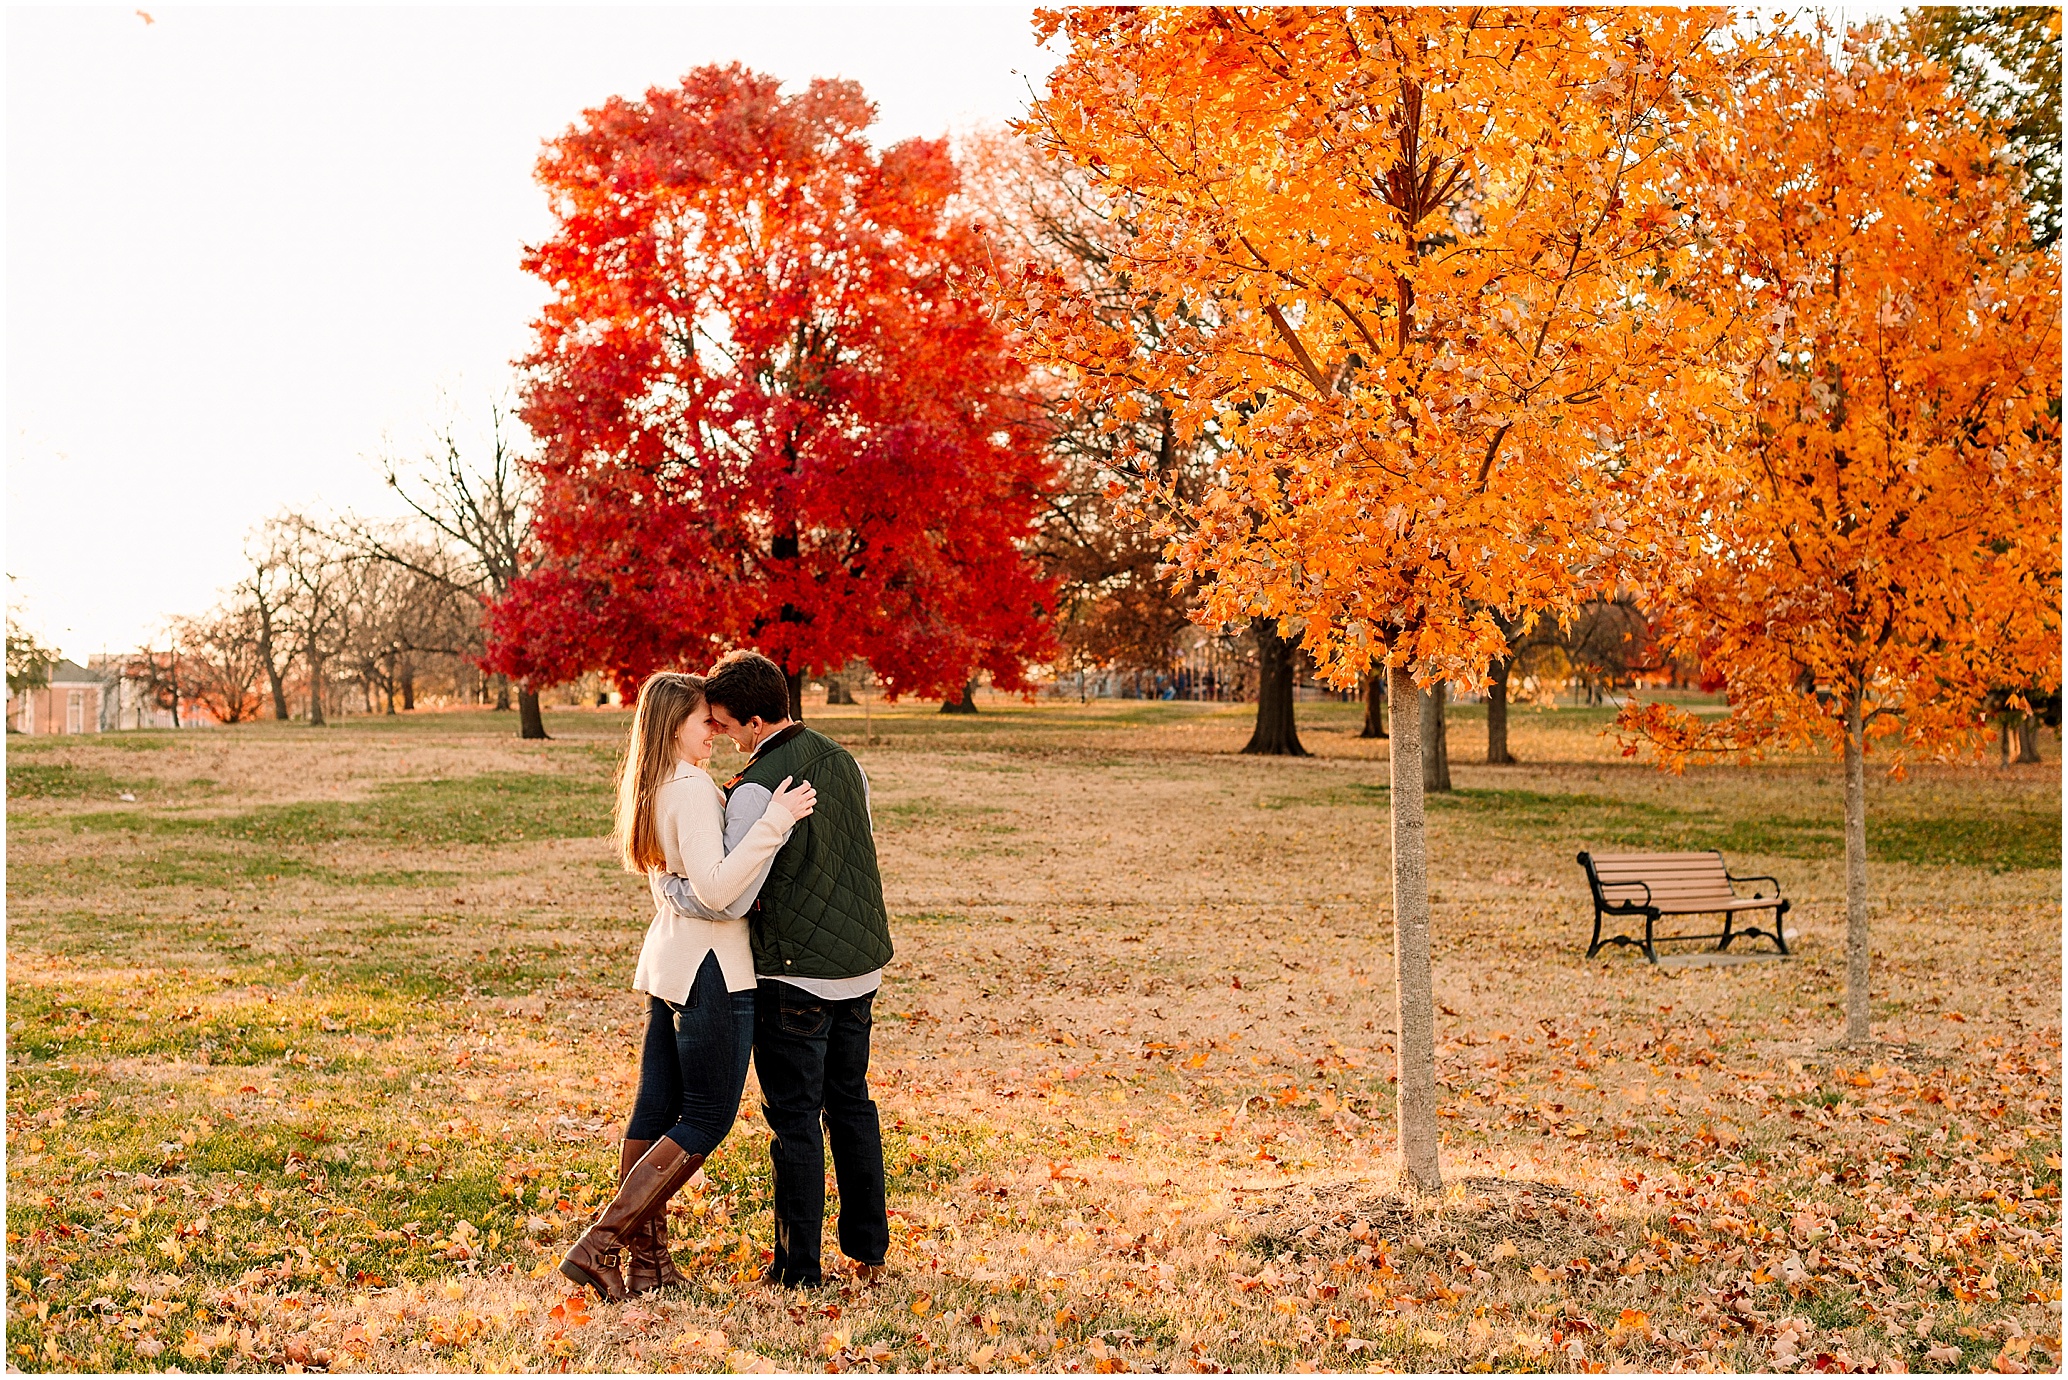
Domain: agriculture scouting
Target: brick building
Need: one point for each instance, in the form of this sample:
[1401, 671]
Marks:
[70, 703]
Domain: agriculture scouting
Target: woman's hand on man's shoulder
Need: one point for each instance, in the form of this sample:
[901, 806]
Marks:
[797, 802]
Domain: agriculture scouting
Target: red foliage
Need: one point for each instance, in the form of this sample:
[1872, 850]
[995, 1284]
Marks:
[770, 413]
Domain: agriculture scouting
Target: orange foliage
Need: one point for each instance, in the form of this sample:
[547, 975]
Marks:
[1879, 529]
[1414, 274]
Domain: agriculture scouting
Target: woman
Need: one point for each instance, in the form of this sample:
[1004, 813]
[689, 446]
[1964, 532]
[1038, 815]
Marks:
[698, 974]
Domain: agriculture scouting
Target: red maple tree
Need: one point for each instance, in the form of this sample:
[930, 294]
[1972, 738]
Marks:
[770, 412]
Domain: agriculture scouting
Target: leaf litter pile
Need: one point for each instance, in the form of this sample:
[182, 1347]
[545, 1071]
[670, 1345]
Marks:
[318, 1052]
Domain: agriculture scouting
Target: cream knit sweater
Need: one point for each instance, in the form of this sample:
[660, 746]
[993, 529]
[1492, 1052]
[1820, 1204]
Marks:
[689, 816]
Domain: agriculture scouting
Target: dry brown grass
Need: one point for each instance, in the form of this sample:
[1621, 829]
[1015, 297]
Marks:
[289, 1097]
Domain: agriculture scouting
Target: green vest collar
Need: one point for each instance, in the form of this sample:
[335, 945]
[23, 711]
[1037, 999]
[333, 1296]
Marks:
[767, 744]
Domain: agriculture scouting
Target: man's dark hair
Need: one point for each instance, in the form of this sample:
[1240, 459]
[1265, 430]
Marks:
[747, 685]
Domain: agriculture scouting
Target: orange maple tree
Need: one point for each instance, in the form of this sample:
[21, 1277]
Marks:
[1414, 272]
[1875, 539]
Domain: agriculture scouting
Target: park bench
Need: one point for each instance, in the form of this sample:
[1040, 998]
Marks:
[1657, 885]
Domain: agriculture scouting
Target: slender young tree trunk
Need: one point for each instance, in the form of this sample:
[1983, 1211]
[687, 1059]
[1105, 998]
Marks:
[1276, 733]
[2028, 738]
[1497, 754]
[1414, 1046]
[531, 722]
[1435, 742]
[315, 665]
[1856, 937]
[967, 704]
[1375, 704]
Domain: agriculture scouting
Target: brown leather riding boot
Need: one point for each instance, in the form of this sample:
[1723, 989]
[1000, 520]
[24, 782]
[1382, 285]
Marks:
[648, 1264]
[593, 1260]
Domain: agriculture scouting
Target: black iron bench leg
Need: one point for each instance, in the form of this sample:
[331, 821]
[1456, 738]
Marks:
[1594, 947]
[1780, 929]
[1725, 942]
[1650, 917]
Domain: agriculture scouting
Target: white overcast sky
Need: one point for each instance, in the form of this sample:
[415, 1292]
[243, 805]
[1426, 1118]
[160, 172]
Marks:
[247, 247]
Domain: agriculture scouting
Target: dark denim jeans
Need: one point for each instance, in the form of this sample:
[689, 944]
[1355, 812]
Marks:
[813, 1059]
[693, 1066]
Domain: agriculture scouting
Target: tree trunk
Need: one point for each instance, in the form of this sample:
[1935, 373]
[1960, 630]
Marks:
[1276, 734]
[2003, 739]
[531, 723]
[2028, 738]
[502, 694]
[408, 687]
[275, 681]
[1375, 704]
[1497, 754]
[1435, 743]
[315, 665]
[1414, 1044]
[967, 704]
[796, 679]
[1856, 955]
[837, 691]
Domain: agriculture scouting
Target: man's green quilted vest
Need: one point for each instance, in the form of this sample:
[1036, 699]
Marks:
[821, 911]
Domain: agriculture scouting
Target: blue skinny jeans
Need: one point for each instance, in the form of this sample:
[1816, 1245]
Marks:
[693, 1065]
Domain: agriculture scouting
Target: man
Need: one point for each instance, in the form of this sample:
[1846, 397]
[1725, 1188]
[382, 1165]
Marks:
[821, 937]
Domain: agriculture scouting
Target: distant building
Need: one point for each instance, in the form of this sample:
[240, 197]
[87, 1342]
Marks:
[130, 701]
[72, 702]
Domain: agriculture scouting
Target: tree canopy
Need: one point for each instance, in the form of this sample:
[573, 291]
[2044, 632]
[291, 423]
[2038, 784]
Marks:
[768, 410]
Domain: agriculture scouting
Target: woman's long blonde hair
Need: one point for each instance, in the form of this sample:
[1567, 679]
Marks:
[667, 698]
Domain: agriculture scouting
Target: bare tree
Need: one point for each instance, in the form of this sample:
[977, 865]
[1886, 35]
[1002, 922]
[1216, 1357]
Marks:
[157, 675]
[264, 593]
[405, 615]
[216, 663]
[479, 514]
[320, 606]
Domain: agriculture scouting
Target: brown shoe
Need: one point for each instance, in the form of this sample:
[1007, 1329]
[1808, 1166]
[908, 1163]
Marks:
[648, 1264]
[593, 1260]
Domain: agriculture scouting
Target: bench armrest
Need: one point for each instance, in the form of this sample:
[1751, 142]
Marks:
[1762, 877]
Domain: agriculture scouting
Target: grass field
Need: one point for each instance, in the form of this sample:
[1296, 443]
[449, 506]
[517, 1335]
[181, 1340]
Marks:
[319, 1048]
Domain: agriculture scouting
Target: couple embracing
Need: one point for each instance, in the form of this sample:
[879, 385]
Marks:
[769, 939]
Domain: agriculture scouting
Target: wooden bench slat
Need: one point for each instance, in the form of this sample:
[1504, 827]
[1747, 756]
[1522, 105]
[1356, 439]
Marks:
[1600, 858]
